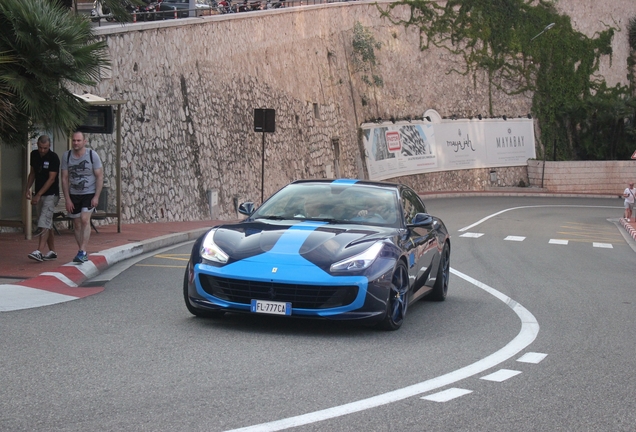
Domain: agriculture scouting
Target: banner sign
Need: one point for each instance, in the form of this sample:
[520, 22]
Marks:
[404, 148]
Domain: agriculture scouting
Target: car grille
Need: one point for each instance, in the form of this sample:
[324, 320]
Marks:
[300, 296]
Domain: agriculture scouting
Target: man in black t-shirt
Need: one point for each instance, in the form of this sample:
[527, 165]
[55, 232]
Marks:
[45, 167]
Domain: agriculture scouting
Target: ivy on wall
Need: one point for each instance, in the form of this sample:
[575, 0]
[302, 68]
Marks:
[513, 41]
[364, 58]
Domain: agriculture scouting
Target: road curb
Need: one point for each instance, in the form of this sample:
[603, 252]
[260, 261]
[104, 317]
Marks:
[631, 230]
[65, 282]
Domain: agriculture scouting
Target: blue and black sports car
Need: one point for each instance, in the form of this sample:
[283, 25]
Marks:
[332, 249]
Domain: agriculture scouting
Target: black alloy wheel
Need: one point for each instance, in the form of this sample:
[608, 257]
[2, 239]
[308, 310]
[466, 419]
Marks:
[398, 299]
[440, 289]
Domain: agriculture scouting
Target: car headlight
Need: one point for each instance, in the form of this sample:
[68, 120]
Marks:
[211, 251]
[360, 261]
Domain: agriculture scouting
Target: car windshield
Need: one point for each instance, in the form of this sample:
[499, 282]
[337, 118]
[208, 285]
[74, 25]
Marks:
[334, 203]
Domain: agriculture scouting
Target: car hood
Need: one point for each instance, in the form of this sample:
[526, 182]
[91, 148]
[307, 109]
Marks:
[319, 243]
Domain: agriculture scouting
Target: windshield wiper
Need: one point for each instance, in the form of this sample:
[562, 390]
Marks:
[271, 217]
[328, 220]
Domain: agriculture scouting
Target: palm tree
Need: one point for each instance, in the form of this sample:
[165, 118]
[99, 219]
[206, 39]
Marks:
[6, 107]
[45, 48]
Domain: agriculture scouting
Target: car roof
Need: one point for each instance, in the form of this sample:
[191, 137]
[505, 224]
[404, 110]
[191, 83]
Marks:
[353, 182]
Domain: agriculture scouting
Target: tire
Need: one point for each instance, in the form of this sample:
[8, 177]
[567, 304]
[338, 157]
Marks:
[440, 289]
[398, 302]
[194, 311]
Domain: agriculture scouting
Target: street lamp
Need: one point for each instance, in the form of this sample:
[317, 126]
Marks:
[548, 27]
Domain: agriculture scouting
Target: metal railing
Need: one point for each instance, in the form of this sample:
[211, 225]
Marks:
[215, 8]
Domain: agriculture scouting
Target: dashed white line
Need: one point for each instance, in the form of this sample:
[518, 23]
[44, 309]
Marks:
[602, 245]
[515, 238]
[559, 242]
[552, 241]
[446, 395]
[527, 334]
[501, 375]
[532, 357]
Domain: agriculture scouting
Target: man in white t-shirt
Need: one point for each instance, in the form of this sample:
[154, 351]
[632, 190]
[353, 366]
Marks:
[630, 196]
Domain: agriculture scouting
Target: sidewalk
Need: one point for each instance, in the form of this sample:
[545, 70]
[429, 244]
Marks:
[25, 283]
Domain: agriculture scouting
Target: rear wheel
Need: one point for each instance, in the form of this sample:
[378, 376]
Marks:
[398, 299]
[194, 311]
[440, 289]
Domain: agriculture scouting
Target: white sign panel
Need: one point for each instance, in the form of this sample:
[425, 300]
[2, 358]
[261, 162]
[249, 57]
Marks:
[397, 149]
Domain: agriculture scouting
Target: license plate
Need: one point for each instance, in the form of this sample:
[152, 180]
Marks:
[271, 307]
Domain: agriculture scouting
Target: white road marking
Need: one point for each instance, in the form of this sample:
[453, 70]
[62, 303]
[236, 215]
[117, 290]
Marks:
[557, 241]
[60, 277]
[527, 207]
[446, 395]
[603, 245]
[16, 297]
[515, 238]
[501, 375]
[527, 334]
[472, 235]
[532, 357]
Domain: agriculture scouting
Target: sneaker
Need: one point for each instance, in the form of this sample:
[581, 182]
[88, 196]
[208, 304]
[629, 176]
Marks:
[50, 256]
[36, 255]
[81, 257]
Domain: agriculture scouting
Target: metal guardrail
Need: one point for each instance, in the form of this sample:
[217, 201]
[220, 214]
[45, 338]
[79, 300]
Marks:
[215, 9]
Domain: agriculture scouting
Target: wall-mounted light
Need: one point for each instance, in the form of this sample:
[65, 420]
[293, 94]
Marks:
[479, 116]
[529, 115]
[505, 118]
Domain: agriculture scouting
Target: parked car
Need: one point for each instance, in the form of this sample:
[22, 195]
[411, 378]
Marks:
[331, 249]
[182, 7]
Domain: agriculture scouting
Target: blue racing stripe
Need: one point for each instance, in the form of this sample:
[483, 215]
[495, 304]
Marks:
[284, 264]
[345, 181]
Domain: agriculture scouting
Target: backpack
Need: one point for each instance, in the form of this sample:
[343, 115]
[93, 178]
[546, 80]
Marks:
[68, 156]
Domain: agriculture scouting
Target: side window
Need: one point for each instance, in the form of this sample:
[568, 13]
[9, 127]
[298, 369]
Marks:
[411, 204]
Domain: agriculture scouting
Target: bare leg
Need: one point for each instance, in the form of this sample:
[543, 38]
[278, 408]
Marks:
[82, 230]
[50, 240]
[85, 218]
[45, 238]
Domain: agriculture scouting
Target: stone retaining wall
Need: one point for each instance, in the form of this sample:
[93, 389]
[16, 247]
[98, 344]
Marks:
[191, 86]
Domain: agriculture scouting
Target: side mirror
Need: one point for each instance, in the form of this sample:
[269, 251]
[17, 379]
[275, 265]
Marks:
[246, 208]
[421, 219]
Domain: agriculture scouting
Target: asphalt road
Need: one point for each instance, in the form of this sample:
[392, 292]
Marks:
[132, 358]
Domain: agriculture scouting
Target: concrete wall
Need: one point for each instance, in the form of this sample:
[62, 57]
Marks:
[593, 177]
[191, 87]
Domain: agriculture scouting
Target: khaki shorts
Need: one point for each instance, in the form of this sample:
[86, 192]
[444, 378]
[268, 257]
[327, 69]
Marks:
[46, 208]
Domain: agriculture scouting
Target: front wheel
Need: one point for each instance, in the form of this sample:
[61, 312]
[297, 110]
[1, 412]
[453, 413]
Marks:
[398, 299]
[440, 289]
[194, 311]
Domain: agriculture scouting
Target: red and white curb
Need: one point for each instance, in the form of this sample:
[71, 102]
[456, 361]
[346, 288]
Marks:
[64, 284]
[630, 229]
